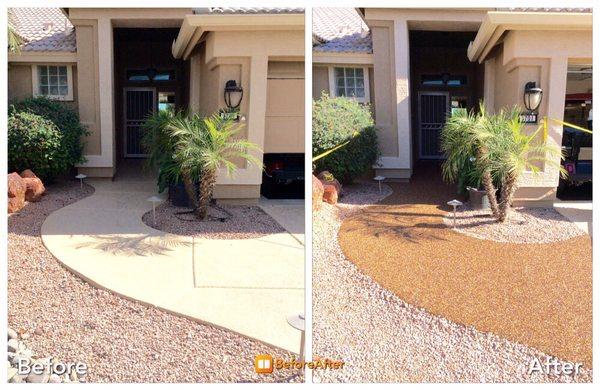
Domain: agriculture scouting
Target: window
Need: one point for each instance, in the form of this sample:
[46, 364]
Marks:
[53, 81]
[150, 75]
[350, 82]
[444, 79]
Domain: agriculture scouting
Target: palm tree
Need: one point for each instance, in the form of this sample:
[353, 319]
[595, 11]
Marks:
[464, 145]
[203, 146]
[14, 40]
[500, 151]
[511, 151]
[160, 147]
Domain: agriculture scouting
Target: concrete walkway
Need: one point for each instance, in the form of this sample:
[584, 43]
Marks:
[289, 213]
[578, 212]
[247, 286]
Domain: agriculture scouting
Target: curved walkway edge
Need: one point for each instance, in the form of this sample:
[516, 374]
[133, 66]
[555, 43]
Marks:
[246, 286]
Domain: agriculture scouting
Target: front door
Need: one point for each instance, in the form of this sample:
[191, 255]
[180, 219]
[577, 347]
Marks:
[139, 103]
[433, 110]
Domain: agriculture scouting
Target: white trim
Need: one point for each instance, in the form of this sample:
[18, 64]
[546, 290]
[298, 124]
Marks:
[35, 88]
[367, 86]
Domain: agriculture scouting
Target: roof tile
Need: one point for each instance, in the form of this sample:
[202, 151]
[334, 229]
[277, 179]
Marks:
[43, 29]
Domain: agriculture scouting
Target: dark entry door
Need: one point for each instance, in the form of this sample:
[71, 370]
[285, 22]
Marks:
[139, 102]
[433, 109]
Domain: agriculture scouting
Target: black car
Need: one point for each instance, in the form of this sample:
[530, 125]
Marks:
[283, 177]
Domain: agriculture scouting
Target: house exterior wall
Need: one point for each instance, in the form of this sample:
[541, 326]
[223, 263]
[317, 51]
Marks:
[542, 57]
[524, 55]
[391, 79]
[95, 63]
[20, 85]
[245, 56]
[320, 81]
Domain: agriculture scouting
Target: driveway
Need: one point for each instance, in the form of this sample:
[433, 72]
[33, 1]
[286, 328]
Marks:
[246, 286]
[289, 213]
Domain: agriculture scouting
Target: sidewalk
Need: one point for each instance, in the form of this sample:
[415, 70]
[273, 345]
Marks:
[247, 286]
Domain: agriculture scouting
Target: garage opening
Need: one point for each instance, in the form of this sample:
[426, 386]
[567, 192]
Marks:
[283, 177]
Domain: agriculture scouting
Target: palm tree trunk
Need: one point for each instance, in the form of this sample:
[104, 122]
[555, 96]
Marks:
[207, 184]
[190, 188]
[506, 196]
[490, 189]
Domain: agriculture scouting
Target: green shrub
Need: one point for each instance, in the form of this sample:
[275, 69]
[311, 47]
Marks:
[35, 143]
[66, 120]
[336, 120]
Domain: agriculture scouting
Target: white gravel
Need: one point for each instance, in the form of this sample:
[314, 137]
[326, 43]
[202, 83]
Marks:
[223, 223]
[119, 340]
[383, 339]
[524, 225]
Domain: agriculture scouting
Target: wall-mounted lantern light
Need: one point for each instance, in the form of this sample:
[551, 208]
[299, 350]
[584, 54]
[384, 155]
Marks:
[532, 97]
[231, 90]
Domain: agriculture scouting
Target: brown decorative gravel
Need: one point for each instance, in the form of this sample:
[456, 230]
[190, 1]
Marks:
[240, 222]
[524, 225]
[119, 340]
[381, 337]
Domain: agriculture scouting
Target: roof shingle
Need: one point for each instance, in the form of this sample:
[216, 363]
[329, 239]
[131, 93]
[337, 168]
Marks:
[43, 29]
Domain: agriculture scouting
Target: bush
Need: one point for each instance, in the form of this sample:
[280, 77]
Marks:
[66, 120]
[35, 143]
[336, 120]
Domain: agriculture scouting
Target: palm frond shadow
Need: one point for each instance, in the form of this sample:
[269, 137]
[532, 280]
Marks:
[400, 227]
[141, 245]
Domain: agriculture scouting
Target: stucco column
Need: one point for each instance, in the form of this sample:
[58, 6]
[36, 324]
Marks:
[106, 90]
[557, 90]
[195, 68]
[255, 122]
[402, 50]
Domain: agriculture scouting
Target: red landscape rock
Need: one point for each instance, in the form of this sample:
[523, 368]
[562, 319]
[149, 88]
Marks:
[16, 192]
[317, 193]
[327, 178]
[28, 173]
[35, 189]
[330, 194]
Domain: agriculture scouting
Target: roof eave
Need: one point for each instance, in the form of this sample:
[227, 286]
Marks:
[496, 23]
[194, 26]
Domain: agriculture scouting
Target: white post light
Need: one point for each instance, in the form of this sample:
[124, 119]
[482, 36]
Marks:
[154, 199]
[81, 176]
[379, 179]
[454, 203]
[297, 322]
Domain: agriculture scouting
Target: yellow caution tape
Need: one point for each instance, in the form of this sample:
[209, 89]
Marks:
[564, 124]
[320, 156]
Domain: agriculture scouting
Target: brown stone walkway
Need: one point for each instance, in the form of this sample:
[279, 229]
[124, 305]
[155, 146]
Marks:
[539, 295]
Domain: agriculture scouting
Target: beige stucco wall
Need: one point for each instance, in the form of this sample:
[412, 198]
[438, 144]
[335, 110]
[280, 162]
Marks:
[19, 81]
[20, 84]
[320, 82]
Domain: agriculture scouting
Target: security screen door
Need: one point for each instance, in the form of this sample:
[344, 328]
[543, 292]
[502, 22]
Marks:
[138, 104]
[433, 109]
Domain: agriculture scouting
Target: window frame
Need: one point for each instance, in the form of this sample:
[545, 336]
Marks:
[367, 86]
[35, 74]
